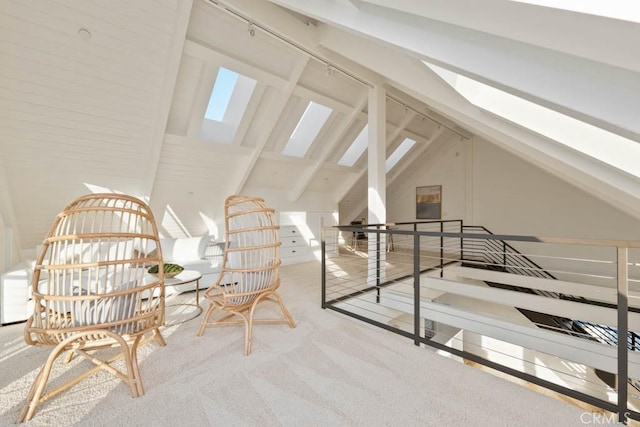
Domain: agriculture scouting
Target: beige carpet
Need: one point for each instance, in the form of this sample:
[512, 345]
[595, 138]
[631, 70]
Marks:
[329, 371]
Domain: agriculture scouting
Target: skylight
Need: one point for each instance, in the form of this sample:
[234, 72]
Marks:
[229, 99]
[358, 146]
[608, 147]
[221, 94]
[626, 10]
[399, 153]
[313, 119]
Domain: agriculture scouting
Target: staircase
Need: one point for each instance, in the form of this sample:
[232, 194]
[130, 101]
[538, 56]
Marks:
[497, 255]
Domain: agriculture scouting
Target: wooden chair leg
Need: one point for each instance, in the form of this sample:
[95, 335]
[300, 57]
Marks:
[134, 371]
[248, 334]
[205, 319]
[68, 358]
[158, 336]
[285, 312]
[35, 393]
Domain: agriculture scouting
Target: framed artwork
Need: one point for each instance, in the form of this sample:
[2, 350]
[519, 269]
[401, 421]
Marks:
[429, 202]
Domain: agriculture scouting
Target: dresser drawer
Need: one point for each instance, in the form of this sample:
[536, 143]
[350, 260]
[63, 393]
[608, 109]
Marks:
[289, 231]
[296, 251]
[291, 242]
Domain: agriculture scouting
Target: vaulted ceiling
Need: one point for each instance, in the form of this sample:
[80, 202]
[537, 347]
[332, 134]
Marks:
[111, 96]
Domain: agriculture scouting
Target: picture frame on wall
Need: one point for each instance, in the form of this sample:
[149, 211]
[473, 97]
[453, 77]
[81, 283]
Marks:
[429, 202]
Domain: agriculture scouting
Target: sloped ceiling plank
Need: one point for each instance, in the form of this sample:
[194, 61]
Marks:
[41, 83]
[601, 94]
[33, 89]
[224, 32]
[250, 113]
[274, 18]
[200, 100]
[189, 75]
[220, 59]
[277, 172]
[587, 36]
[171, 67]
[59, 49]
[320, 98]
[327, 180]
[79, 115]
[328, 147]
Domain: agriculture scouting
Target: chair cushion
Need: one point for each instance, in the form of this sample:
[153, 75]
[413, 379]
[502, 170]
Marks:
[105, 310]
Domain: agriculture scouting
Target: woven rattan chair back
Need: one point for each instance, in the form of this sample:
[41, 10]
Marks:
[90, 288]
[250, 267]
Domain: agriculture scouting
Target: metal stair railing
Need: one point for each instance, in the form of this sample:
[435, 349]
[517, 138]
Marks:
[501, 256]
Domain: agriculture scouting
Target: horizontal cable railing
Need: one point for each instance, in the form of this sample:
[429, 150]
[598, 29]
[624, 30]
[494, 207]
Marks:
[420, 280]
[513, 261]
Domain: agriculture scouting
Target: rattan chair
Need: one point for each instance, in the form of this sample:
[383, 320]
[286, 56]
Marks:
[91, 291]
[250, 268]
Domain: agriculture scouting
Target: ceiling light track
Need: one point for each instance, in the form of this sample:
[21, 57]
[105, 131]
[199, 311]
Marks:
[424, 116]
[252, 25]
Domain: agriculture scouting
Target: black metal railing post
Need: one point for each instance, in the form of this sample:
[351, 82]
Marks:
[441, 249]
[378, 236]
[323, 266]
[504, 255]
[623, 329]
[416, 289]
[461, 242]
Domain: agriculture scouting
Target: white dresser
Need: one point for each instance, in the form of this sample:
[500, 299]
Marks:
[295, 247]
[14, 294]
[300, 234]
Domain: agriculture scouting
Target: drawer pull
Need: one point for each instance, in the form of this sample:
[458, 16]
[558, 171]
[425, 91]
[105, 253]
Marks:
[293, 241]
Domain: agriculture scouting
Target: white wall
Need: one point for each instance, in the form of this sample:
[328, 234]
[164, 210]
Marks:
[448, 170]
[509, 195]
[512, 196]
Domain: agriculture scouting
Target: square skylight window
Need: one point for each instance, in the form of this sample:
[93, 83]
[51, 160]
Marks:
[221, 94]
[307, 129]
[593, 141]
[358, 146]
[399, 153]
[229, 99]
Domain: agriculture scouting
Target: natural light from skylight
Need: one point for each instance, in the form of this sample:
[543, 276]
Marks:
[625, 10]
[399, 153]
[229, 99]
[608, 147]
[313, 119]
[221, 94]
[358, 146]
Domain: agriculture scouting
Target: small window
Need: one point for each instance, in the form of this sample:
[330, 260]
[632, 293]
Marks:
[358, 146]
[399, 153]
[228, 102]
[221, 94]
[307, 129]
[593, 141]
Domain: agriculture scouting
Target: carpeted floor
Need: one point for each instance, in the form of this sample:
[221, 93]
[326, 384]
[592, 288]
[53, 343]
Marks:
[329, 371]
